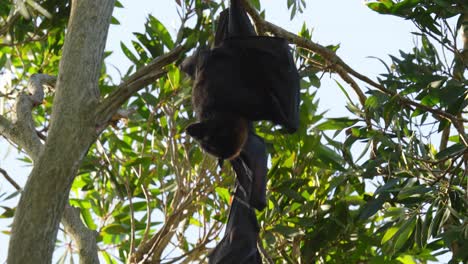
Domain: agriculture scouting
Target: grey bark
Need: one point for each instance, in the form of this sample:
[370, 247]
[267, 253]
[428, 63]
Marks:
[71, 133]
[21, 130]
[84, 238]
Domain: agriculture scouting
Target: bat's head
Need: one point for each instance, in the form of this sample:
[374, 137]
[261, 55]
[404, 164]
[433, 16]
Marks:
[191, 64]
[222, 137]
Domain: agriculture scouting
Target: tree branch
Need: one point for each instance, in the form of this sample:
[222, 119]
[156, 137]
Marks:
[264, 253]
[84, 238]
[9, 22]
[10, 180]
[153, 247]
[22, 130]
[36, 86]
[141, 78]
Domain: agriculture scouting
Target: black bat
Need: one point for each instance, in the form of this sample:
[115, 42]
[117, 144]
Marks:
[244, 78]
[239, 244]
[251, 170]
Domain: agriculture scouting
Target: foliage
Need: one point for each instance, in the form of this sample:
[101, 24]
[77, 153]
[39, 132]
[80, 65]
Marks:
[372, 187]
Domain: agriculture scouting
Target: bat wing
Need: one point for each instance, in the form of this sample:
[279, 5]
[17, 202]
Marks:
[222, 28]
[219, 87]
[239, 22]
[268, 66]
[255, 77]
[233, 22]
[251, 170]
[239, 244]
[252, 76]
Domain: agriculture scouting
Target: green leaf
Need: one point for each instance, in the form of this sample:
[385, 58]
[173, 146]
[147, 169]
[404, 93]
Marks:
[118, 4]
[114, 21]
[256, 4]
[337, 123]
[8, 213]
[382, 7]
[376, 100]
[88, 219]
[128, 53]
[107, 257]
[373, 206]
[435, 225]
[12, 195]
[414, 191]
[224, 194]
[3, 60]
[426, 226]
[451, 151]
[328, 157]
[406, 259]
[115, 229]
[389, 234]
[405, 232]
[160, 30]
[388, 185]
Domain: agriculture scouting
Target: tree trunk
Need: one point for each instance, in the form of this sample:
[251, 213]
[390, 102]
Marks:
[73, 130]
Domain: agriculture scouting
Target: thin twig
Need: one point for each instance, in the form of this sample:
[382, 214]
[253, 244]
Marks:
[132, 220]
[10, 180]
[264, 253]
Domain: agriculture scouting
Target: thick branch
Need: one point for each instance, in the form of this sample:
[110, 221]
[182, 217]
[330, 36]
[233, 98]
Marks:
[84, 238]
[143, 77]
[22, 130]
[5, 127]
[36, 86]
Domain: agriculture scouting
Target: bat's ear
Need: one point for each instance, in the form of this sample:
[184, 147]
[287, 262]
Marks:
[197, 130]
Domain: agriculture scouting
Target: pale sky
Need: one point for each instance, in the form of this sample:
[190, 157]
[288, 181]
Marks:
[361, 33]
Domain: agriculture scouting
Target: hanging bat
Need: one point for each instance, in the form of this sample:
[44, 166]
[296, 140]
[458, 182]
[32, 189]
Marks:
[239, 244]
[251, 170]
[244, 78]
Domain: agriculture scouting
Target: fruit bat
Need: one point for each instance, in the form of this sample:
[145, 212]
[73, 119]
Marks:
[239, 244]
[251, 170]
[244, 78]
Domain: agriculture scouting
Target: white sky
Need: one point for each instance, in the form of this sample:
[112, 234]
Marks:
[360, 32]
